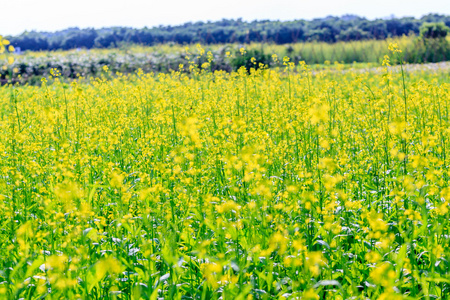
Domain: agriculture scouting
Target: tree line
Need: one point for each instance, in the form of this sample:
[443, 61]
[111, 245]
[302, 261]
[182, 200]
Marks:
[330, 29]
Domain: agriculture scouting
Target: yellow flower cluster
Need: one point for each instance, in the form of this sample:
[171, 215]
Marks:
[256, 184]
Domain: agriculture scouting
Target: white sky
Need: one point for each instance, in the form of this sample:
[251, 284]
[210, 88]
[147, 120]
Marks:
[50, 15]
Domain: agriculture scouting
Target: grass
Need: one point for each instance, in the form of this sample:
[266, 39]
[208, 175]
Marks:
[269, 184]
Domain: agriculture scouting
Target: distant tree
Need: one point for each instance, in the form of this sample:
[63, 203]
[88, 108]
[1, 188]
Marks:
[105, 41]
[352, 34]
[330, 29]
[434, 30]
[375, 29]
[404, 26]
[432, 45]
[30, 41]
[82, 39]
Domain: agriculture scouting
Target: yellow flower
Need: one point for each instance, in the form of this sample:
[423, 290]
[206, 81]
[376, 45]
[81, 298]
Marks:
[108, 265]
[393, 47]
[116, 180]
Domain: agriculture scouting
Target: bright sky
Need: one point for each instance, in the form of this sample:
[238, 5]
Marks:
[50, 15]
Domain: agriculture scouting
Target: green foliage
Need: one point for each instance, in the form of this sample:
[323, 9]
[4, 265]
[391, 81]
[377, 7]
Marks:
[32, 66]
[432, 44]
[251, 59]
[434, 30]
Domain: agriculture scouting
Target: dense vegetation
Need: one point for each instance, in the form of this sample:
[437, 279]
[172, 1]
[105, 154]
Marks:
[330, 30]
[32, 66]
[263, 183]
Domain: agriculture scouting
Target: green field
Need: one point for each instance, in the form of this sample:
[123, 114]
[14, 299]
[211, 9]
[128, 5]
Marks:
[30, 67]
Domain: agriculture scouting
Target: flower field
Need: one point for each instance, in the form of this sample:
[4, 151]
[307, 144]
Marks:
[277, 183]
